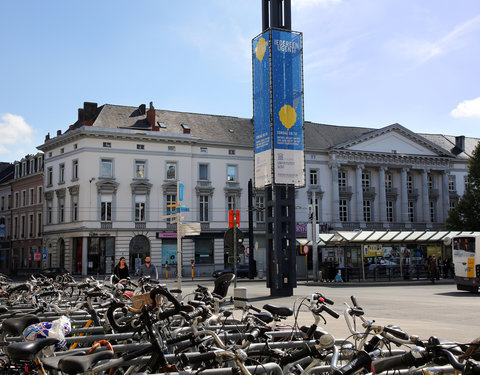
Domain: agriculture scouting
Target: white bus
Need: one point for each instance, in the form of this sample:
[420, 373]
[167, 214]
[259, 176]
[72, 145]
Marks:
[466, 261]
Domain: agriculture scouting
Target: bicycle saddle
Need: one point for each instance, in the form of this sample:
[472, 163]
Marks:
[81, 364]
[278, 310]
[15, 326]
[27, 350]
[264, 317]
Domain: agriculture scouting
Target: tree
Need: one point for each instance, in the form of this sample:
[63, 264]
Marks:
[466, 215]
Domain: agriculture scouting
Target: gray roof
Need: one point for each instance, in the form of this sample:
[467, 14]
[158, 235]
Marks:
[237, 131]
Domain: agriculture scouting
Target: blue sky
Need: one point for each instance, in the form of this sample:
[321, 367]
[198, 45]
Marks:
[366, 62]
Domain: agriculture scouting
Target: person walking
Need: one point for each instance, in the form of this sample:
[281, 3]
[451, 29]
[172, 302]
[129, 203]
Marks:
[121, 269]
[433, 269]
[148, 269]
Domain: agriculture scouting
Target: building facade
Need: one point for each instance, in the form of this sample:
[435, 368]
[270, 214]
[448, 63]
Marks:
[6, 176]
[111, 178]
[27, 215]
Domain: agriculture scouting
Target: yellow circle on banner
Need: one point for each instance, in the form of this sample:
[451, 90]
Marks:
[260, 49]
[288, 116]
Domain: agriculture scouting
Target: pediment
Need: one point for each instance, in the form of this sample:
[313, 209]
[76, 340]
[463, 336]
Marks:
[394, 139]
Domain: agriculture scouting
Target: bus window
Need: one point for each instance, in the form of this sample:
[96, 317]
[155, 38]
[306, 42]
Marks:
[464, 243]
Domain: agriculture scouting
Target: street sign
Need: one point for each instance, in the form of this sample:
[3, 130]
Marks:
[306, 249]
[191, 229]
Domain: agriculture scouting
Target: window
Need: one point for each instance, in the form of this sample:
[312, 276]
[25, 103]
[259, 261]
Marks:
[139, 169]
[389, 207]
[433, 211]
[61, 174]
[410, 184]
[75, 170]
[259, 208]
[17, 202]
[107, 144]
[75, 208]
[314, 207]
[231, 173]
[203, 208]
[204, 250]
[3, 203]
[31, 223]
[430, 182]
[367, 211]
[388, 182]
[106, 168]
[411, 211]
[343, 210]
[366, 181]
[171, 171]
[342, 180]
[22, 226]
[24, 198]
[140, 208]
[106, 208]
[61, 210]
[49, 176]
[452, 183]
[31, 197]
[62, 150]
[313, 176]
[15, 227]
[231, 202]
[161, 124]
[49, 212]
[203, 172]
[39, 194]
[171, 148]
[231, 152]
[140, 147]
[32, 165]
[39, 224]
[452, 204]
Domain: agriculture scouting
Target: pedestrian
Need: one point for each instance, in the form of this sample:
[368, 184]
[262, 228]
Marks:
[148, 269]
[121, 269]
[433, 268]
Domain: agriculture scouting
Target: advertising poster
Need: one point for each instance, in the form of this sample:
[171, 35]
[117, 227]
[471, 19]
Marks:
[262, 110]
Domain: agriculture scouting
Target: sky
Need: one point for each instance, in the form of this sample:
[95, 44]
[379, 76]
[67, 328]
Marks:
[367, 63]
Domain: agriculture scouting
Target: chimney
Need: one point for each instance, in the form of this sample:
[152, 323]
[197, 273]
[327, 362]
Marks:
[460, 142]
[47, 137]
[80, 115]
[59, 132]
[151, 117]
[89, 113]
[142, 108]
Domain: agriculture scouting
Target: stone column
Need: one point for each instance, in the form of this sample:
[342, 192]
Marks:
[382, 195]
[335, 195]
[359, 193]
[445, 195]
[425, 197]
[404, 196]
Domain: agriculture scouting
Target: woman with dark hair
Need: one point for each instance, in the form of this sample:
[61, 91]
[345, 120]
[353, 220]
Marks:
[121, 269]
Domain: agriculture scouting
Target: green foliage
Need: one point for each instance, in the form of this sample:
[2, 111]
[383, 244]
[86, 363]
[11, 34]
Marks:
[466, 215]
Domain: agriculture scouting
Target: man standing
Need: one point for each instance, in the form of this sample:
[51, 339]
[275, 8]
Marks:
[148, 269]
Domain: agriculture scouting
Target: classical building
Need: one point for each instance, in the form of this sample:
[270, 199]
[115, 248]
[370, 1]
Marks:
[6, 176]
[27, 215]
[111, 179]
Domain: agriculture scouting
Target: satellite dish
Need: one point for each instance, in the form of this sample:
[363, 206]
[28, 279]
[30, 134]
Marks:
[447, 241]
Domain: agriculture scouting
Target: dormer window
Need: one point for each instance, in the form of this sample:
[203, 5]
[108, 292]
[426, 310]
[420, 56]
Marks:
[185, 127]
[161, 124]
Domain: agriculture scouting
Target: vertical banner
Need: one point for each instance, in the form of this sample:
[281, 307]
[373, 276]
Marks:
[278, 108]
[262, 110]
[287, 108]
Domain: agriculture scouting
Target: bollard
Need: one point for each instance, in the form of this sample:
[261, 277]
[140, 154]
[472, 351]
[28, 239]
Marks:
[239, 297]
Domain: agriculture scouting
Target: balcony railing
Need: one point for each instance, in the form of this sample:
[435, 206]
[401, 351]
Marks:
[140, 226]
[106, 225]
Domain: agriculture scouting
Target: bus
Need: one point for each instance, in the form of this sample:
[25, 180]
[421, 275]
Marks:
[466, 261]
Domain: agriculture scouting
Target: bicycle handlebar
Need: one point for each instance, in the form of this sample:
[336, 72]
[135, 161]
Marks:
[171, 298]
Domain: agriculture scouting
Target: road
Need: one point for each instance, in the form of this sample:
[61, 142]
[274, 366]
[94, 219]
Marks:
[419, 309]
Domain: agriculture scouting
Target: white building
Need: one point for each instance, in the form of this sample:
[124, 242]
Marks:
[111, 175]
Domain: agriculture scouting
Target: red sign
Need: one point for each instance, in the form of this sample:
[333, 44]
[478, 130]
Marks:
[306, 249]
[233, 218]
[37, 256]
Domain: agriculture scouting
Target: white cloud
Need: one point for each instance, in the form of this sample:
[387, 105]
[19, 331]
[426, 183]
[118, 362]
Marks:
[14, 130]
[467, 108]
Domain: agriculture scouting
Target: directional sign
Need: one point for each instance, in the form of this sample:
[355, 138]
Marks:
[191, 229]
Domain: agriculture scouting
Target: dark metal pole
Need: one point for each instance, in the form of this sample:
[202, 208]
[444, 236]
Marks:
[265, 22]
[251, 260]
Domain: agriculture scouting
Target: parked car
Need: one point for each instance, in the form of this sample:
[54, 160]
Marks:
[242, 271]
[53, 272]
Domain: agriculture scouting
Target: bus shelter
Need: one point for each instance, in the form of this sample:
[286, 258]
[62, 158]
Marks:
[384, 254]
